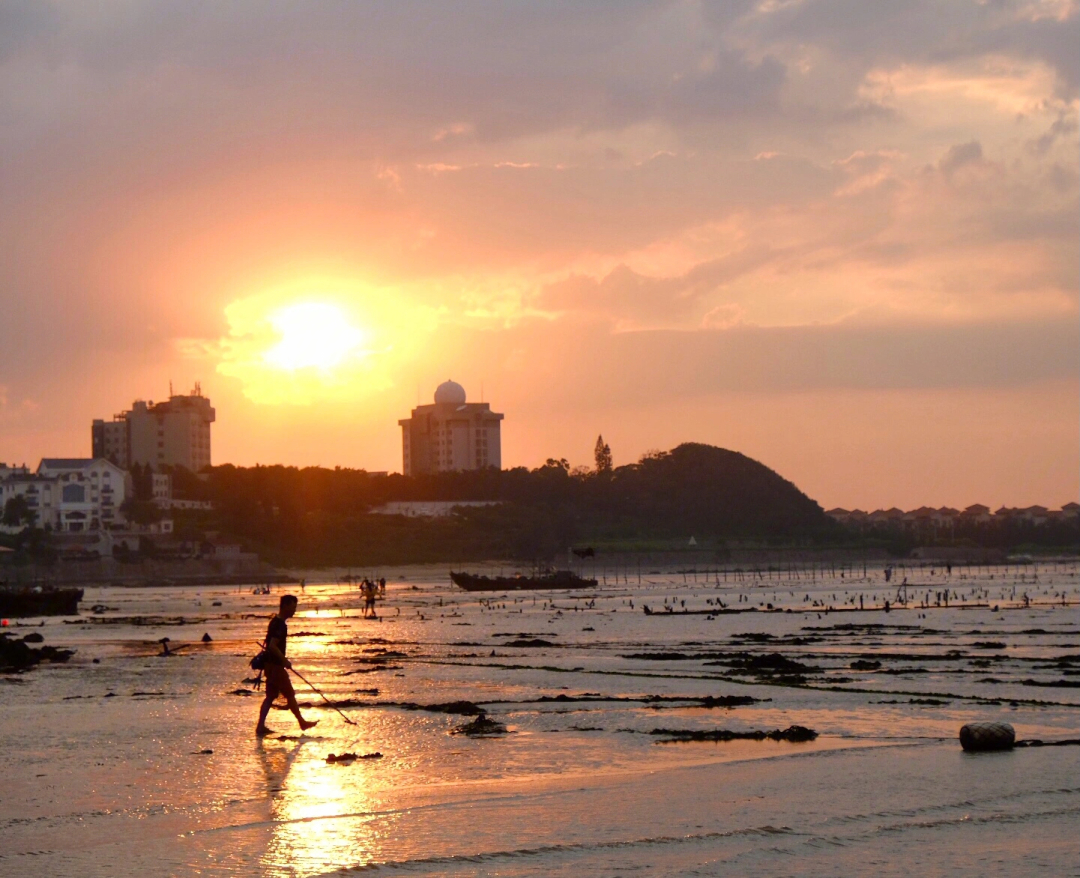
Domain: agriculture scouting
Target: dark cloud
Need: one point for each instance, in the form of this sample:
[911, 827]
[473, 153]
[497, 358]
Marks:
[926, 31]
[959, 155]
[627, 296]
[628, 368]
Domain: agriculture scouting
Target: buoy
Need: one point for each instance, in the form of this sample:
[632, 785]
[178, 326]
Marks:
[987, 736]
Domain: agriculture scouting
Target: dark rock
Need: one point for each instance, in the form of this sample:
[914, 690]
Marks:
[865, 665]
[1061, 684]
[34, 637]
[17, 655]
[726, 701]
[459, 708]
[480, 727]
[775, 662]
[341, 758]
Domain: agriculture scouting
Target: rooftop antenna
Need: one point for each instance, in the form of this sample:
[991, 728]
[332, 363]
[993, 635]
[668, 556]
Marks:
[170, 387]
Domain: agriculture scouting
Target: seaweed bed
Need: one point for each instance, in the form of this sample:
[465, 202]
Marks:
[794, 734]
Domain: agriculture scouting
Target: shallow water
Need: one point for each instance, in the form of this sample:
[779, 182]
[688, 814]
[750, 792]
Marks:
[105, 771]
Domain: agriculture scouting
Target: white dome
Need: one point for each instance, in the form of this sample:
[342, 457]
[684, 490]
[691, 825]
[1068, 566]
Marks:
[450, 392]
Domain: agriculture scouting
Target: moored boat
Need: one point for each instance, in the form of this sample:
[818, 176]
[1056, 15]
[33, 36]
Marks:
[39, 601]
[552, 579]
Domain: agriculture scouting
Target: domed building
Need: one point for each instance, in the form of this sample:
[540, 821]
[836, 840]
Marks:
[452, 434]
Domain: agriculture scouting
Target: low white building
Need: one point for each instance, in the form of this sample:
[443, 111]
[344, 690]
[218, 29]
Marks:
[70, 495]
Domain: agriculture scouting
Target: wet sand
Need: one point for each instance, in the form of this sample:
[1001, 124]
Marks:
[143, 765]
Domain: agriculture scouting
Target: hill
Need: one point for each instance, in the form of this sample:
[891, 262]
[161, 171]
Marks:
[708, 491]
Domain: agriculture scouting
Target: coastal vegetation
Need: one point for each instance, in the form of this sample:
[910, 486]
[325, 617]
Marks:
[323, 516]
[693, 504]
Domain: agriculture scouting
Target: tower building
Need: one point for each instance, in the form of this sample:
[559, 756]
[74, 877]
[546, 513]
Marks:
[452, 434]
[173, 433]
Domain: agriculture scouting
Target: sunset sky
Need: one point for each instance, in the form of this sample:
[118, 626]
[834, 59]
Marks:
[839, 237]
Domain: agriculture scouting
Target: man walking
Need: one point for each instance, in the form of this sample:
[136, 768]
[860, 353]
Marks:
[277, 667]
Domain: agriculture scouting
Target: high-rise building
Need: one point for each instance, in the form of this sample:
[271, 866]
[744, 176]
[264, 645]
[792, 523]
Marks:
[109, 439]
[451, 435]
[173, 433]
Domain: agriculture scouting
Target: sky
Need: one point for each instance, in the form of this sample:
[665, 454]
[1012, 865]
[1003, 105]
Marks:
[839, 237]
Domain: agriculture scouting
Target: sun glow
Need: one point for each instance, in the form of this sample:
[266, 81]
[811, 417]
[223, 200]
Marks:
[313, 335]
[288, 347]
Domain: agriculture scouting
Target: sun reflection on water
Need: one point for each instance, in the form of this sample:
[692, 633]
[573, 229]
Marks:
[324, 815]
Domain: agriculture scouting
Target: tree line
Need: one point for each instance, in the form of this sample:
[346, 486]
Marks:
[315, 515]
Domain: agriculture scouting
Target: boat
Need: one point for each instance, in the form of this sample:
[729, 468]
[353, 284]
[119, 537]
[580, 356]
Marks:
[550, 579]
[39, 601]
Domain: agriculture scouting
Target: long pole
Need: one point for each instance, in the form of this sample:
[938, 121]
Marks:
[324, 698]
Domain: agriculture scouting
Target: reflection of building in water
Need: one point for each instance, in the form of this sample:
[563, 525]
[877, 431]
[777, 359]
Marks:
[451, 435]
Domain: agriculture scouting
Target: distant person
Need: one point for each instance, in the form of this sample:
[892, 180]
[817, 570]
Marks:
[277, 667]
[370, 590]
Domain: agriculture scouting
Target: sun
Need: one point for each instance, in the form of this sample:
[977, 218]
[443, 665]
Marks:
[313, 335]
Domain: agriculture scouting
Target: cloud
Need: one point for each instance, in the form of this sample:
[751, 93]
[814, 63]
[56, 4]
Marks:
[960, 155]
[633, 300]
[626, 369]
[718, 198]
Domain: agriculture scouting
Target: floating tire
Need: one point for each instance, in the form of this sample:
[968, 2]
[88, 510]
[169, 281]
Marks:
[987, 736]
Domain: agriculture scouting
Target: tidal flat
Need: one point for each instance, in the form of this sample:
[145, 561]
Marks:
[619, 742]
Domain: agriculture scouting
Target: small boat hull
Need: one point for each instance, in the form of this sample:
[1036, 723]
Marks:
[18, 602]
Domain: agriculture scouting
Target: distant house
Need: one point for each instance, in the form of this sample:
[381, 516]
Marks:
[1033, 514]
[948, 516]
[161, 489]
[1071, 510]
[887, 517]
[976, 514]
[70, 495]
